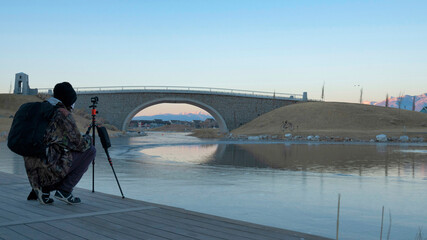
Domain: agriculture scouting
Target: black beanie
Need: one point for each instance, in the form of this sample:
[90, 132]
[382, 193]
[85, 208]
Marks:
[65, 92]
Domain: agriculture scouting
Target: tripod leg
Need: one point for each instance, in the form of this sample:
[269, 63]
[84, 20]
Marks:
[93, 126]
[114, 172]
[93, 175]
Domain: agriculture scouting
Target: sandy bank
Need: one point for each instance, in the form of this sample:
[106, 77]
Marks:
[336, 122]
[10, 103]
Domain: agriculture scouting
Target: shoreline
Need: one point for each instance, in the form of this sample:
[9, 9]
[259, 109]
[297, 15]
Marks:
[268, 139]
[226, 140]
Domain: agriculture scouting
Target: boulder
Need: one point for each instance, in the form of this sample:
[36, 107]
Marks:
[253, 138]
[417, 139]
[381, 138]
[404, 138]
[242, 137]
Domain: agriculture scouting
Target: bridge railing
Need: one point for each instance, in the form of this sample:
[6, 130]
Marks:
[204, 90]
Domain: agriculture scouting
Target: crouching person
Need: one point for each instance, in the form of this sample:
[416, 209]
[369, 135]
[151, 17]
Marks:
[68, 153]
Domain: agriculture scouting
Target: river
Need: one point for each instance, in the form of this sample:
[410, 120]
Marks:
[291, 185]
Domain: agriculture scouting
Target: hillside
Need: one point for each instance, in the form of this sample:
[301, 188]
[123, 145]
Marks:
[356, 121]
[10, 103]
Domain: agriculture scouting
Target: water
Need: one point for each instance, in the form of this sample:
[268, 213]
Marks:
[287, 185]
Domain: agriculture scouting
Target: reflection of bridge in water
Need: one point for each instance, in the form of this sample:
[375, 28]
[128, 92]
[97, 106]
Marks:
[231, 108]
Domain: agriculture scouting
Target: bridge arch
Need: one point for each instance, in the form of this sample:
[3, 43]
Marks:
[212, 111]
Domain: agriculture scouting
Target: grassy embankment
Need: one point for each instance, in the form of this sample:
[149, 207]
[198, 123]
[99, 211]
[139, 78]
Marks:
[356, 121]
[10, 103]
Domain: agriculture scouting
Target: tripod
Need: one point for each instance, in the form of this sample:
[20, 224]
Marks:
[105, 141]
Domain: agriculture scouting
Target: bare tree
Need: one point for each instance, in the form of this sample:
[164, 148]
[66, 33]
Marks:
[323, 92]
[386, 100]
[413, 104]
[399, 100]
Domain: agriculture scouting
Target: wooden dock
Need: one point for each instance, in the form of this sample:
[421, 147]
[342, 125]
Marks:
[103, 216]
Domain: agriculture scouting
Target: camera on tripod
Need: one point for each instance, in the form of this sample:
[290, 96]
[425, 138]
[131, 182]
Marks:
[105, 141]
[94, 100]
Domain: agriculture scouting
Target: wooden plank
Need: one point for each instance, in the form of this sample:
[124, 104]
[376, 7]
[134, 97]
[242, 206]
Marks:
[220, 231]
[77, 231]
[174, 227]
[78, 215]
[53, 231]
[21, 208]
[131, 229]
[149, 227]
[6, 233]
[124, 231]
[8, 179]
[165, 223]
[10, 215]
[226, 223]
[115, 201]
[90, 224]
[31, 232]
[123, 219]
[110, 197]
[4, 219]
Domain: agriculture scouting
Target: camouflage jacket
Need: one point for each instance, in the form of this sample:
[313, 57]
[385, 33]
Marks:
[62, 137]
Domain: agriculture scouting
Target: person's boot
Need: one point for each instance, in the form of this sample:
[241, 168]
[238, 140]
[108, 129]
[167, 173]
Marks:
[67, 197]
[43, 197]
[32, 195]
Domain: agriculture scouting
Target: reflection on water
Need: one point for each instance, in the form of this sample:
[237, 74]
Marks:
[182, 153]
[355, 159]
[292, 186]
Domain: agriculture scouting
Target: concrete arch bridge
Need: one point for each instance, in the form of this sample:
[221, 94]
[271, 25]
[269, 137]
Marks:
[231, 108]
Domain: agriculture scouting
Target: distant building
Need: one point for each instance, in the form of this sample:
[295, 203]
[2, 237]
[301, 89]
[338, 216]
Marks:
[424, 110]
[148, 123]
[197, 123]
[22, 85]
[209, 123]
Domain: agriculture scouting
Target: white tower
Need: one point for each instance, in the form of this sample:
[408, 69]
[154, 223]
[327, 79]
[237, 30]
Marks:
[22, 86]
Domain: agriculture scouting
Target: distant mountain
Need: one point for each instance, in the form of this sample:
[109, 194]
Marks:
[181, 117]
[405, 102]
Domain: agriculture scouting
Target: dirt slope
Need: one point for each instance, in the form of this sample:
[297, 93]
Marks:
[338, 119]
[10, 103]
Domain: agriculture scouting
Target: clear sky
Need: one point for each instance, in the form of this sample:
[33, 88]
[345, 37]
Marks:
[282, 46]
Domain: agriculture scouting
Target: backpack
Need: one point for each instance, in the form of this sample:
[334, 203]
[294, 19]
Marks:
[28, 128]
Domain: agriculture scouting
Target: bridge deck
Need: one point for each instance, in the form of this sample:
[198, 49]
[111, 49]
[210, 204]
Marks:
[186, 89]
[103, 216]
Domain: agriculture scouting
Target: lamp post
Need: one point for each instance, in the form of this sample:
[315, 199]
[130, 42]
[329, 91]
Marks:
[361, 92]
